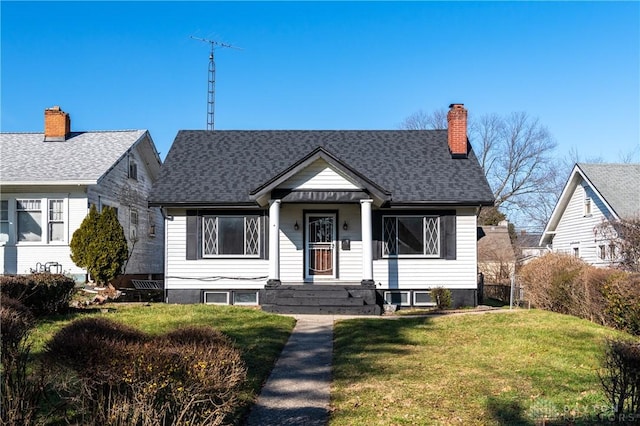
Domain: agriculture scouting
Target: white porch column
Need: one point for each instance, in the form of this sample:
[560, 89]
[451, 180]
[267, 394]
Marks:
[367, 241]
[274, 242]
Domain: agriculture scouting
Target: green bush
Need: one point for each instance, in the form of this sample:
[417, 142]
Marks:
[188, 376]
[99, 245]
[44, 294]
[442, 296]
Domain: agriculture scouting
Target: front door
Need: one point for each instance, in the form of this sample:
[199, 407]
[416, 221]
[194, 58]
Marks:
[320, 246]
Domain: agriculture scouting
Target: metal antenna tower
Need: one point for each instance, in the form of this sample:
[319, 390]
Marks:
[211, 93]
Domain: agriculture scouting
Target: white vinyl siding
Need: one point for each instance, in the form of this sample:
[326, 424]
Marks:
[318, 175]
[61, 214]
[389, 273]
[208, 273]
[575, 230]
[421, 273]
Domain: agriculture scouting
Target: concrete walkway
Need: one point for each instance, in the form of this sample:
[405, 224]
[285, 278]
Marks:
[297, 391]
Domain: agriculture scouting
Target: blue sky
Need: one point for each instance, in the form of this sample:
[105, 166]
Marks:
[326, 65]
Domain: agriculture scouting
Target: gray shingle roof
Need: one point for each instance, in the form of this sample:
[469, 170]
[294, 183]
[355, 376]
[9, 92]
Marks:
[618, 184]
[220, 167]
[84, 157]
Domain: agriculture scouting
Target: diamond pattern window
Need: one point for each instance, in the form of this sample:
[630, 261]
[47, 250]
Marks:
[411, 236]
[230, 236]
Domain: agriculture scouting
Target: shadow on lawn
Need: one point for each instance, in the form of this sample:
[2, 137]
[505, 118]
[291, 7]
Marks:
[353, 338]
[507, 412]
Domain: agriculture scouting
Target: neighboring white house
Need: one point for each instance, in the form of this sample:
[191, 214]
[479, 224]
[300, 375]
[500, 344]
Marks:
[48, 181]
[393, 211]
[593, 194]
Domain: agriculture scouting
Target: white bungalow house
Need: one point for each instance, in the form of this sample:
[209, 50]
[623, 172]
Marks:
[295, 220]
[593, 195]
[48, 181]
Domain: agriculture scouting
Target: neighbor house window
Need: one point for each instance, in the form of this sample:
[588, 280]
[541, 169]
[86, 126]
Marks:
[576, 252]
[133, 169]
[133, 224]
[230, 236]
[612, 251]
[29, 215]
[56, 220]
[587, 206]
[152, 223]
[602, 253]
[411, 236]
[4, 221]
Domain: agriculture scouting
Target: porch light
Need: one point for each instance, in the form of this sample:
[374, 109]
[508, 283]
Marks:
[296, 226]
[345, 225]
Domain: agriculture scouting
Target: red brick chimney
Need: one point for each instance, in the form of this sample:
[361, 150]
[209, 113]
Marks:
[457, 121]
[57, 124]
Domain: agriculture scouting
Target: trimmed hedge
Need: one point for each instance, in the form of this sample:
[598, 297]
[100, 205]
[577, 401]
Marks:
[44, 294]
[565, 284]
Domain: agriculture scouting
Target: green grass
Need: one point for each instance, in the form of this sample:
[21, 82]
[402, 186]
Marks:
[505, 368]
[259, 335]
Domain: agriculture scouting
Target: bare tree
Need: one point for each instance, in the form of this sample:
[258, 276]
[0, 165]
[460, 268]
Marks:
[420, 120]
[622, 242]
[516, 154]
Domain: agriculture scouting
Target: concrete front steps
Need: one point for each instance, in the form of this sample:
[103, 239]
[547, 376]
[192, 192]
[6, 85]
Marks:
[320, 299]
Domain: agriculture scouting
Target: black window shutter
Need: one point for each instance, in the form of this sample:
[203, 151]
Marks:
[376, 222]
[192, 235]
[448, 237]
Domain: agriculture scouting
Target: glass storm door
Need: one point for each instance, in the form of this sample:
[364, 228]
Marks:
[320, 246]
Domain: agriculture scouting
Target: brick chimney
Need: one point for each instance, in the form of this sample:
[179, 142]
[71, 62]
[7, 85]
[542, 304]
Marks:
[457, 133]
[57, 124]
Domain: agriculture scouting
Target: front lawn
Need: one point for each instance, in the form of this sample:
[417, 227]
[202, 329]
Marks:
[515, 368]
[259, 335]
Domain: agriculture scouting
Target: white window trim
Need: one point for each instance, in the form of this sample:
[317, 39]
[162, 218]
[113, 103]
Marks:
[424, 238]
[226, 293]
[231, 256]
[416, 303]
[257, 302]
[398, 292]
[50, 221]
[588, 207]
[132, 165]
[7, 221]
[44, 219]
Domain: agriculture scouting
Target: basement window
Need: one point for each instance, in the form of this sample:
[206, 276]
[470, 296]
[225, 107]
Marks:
[423, 298]
[216, 297]
[397, 298]
[245, 297]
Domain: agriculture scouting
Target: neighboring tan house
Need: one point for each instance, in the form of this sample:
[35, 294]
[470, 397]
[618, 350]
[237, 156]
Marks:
[48, 181]
[528, 247]
[295, 220]
[593, 195]
[496, 258]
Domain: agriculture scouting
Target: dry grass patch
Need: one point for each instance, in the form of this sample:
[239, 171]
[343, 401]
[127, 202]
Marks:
[500, 368]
